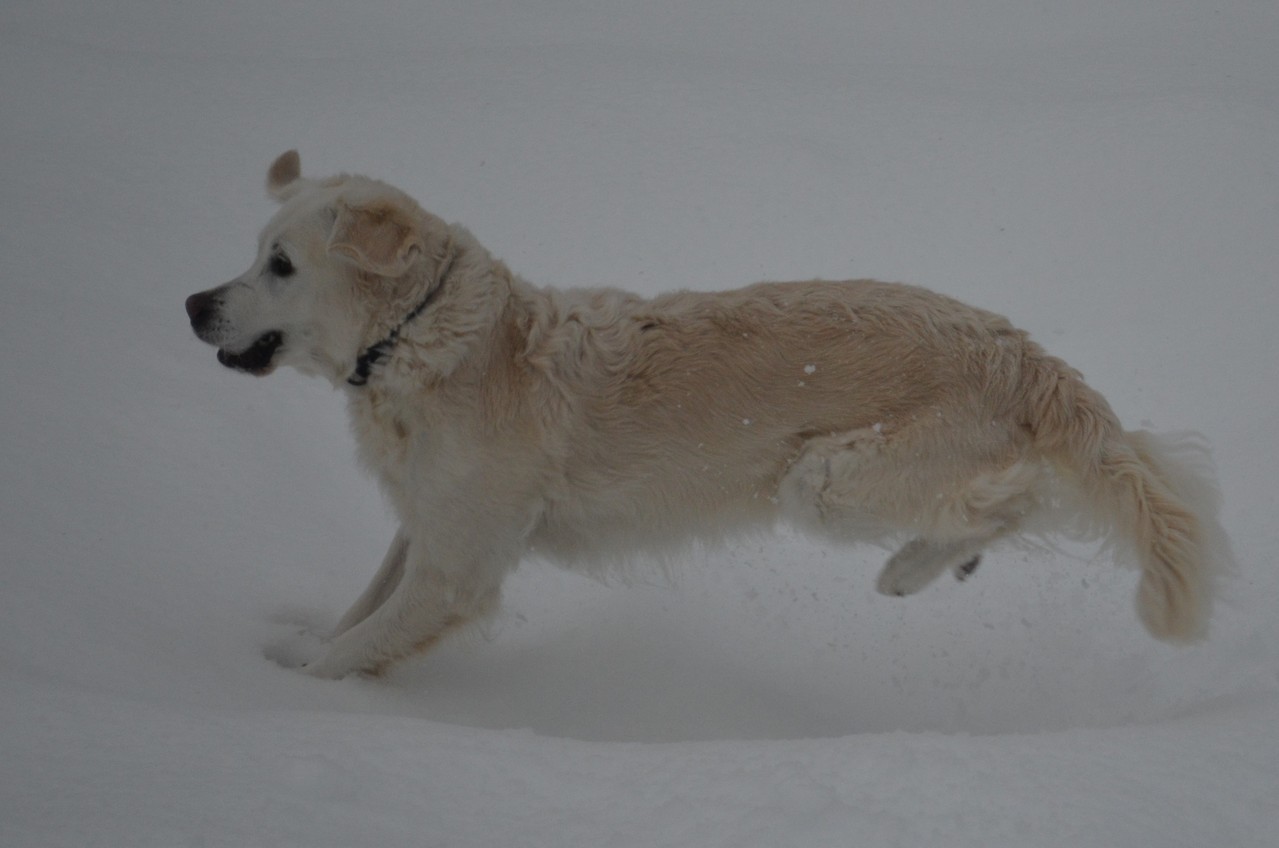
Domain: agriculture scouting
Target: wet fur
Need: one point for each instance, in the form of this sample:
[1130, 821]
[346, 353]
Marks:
[590, 425]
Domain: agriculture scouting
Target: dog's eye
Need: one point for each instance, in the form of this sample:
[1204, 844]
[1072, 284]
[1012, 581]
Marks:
[281, 266]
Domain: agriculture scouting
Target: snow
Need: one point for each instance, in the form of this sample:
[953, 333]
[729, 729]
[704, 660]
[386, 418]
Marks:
[1104, 173]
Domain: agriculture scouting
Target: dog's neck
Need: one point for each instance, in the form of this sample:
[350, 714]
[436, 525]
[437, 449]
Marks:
[376, 351]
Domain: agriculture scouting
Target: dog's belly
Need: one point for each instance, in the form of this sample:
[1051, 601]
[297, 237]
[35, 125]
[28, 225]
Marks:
[653, 497]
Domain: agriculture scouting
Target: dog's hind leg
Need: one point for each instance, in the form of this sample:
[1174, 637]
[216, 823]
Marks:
[987, 508]
[388, 577]
[921, 561]
[954, 497]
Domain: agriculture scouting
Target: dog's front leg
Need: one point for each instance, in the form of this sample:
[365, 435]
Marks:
[443, 584]
[388, 577]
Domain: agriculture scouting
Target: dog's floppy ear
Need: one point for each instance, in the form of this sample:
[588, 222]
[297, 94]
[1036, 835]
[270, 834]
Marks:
[380, 236]
[284, 172]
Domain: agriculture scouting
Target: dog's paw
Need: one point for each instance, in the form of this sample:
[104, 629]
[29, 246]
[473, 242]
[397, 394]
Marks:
[302, 640]
[919, 563]
[297, 651]
[336, 664]
[323, 669]
[898, 580]
[912, 568]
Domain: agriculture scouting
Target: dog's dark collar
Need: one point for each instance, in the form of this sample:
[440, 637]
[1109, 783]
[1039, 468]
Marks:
[364, 364]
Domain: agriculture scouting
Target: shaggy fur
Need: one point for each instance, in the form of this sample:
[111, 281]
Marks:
[588, 425]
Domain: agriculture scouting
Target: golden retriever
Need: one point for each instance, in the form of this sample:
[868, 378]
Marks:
[589, 425]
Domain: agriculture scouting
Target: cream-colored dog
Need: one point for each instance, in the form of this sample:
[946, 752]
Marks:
[589, 425]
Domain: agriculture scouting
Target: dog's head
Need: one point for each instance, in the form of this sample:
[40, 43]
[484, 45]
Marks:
[340, 256]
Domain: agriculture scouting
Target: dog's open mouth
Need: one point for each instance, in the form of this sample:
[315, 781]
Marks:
[256, 359]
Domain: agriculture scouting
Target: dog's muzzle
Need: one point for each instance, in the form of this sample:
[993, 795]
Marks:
[204, 310]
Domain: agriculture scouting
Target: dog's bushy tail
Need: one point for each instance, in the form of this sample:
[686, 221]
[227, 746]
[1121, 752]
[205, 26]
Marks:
[1153, 494]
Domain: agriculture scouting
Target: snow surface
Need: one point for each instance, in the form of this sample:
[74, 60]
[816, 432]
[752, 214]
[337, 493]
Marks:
[1105, 172]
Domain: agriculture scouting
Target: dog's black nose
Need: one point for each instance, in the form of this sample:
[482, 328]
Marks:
[200, 307]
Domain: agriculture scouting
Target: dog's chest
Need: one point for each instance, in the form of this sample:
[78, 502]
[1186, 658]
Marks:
[383, 433]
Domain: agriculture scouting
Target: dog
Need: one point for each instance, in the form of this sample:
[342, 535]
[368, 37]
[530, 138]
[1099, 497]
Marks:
[591, 425]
